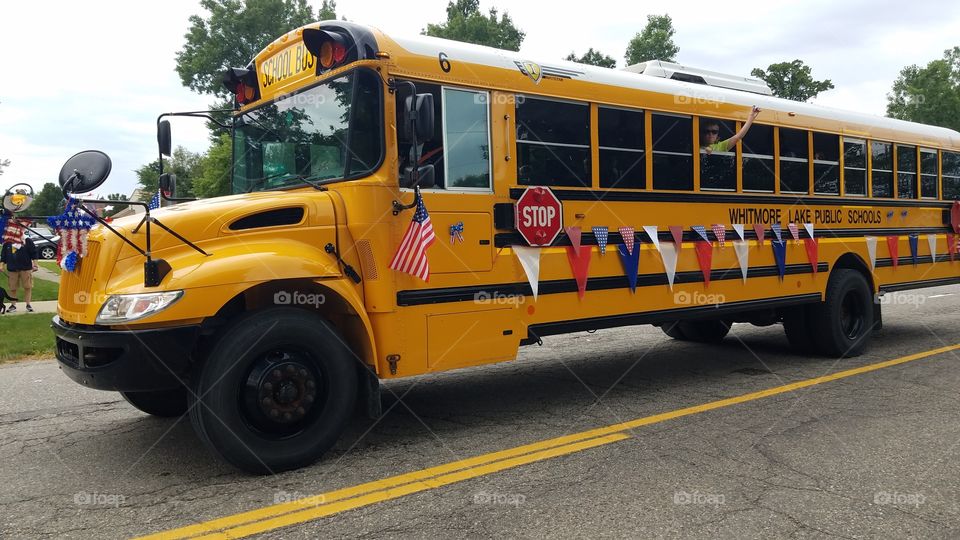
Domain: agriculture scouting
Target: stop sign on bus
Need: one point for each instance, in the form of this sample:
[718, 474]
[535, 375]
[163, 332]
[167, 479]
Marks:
[539, 216]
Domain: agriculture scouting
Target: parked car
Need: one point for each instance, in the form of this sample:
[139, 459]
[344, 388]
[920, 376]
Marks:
[46, 244]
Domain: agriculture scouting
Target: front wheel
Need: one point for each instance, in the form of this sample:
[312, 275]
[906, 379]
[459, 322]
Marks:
[165, 403]
[275, 392]
[48, 252]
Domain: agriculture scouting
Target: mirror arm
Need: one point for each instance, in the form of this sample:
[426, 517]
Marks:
[35, 232]
[400, 207]
[200, 114]
[101, 221]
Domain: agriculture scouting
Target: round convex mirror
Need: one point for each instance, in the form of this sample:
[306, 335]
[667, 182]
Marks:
[18, 198]
[85, 171]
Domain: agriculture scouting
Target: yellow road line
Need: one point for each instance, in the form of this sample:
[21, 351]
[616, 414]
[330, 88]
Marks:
[290, 513]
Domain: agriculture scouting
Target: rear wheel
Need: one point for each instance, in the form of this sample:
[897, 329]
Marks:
[706, 331]
[844, 321]
[275, 392]
[48, 252]
[673, 330]
[796, 324]
[166, 403]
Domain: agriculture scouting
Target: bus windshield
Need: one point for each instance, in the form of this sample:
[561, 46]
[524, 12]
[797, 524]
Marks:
[328, 132]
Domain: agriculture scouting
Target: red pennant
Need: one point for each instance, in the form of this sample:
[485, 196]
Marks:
[677, 232]
[705, 257]
[574, 234]
[761, 231]
[893, 243]
[580, 264]
[955, 217]
[812, 245]
[951, 246]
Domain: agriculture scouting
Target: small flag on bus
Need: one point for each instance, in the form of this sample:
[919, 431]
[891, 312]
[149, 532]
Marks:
[411, 256]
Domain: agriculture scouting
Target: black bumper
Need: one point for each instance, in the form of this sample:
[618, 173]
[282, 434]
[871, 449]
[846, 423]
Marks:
[125, 360]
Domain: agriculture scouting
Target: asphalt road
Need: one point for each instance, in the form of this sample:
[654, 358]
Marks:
[871, 454]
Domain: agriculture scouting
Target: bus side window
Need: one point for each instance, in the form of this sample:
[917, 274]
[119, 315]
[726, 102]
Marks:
[928, 173]
[718, 168]
[758, 166]
[794, 161]
[906, 172]
[553, 142]
[466, 129]
[951, 175]
[854, 167]
[672, 151]
[881, 169]
[623, 162]
[826, 164]
[431, 152]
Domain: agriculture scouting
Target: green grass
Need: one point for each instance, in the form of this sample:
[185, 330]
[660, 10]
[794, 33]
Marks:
[42, 289]
[24, 336]
[51, 266]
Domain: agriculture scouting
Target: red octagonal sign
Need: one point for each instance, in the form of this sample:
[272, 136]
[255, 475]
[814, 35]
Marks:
[539, 216]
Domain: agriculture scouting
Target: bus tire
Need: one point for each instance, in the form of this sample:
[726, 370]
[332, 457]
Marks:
[844, 321]
[796, 325]
[275, 392]
[164, 403]
[673, 330]
[705, 331]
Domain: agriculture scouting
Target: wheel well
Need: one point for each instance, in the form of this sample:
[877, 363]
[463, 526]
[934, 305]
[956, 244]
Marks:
[303, 294]
[853, 261]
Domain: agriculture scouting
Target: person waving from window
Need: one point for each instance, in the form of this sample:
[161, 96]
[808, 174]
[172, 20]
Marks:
[710, 133]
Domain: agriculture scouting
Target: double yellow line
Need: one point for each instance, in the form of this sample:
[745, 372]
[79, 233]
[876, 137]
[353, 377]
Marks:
[333, 502]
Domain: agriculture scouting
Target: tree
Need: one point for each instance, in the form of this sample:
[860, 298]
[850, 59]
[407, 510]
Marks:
[328, 11]
[655, 42]
[214, 179]
[231, 34]
[931, 94]
[183, 163]
[117, 207]
[3, 164]
[792, 80]
[594, 58]
[48, 202]
[466, 23]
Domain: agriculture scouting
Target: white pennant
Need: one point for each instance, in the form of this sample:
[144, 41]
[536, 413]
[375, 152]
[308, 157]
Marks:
[651, 231]
[743, 257]
[739, 228]
[809, 228]
[668, 253]
[872, 251]
[530, 260]
[932, 240]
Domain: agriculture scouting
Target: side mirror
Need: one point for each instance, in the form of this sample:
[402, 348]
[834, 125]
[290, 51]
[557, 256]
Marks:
[18, 198]
[426, 177]
[419, 108]
[168, 184]
[163, 137]
[85, 172]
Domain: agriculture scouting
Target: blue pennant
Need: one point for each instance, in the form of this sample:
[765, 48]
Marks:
[631, 265]
[702, 231]
[777, 232]
[602, 234]
[780, 254]
[913, 247]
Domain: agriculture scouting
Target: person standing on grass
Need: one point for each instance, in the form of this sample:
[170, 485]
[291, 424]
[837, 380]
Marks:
[20, 262]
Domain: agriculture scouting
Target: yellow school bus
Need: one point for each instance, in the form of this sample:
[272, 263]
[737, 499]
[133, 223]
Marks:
[271, 314]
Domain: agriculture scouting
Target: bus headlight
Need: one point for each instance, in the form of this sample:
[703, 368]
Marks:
[122, 308]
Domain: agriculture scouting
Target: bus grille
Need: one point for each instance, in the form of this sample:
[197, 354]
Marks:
[368, 263]
[75, 287]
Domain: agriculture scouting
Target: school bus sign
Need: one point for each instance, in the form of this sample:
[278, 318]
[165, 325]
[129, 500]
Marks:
[539, 216]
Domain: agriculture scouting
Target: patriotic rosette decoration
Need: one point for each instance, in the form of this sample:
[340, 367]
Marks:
[72, 226]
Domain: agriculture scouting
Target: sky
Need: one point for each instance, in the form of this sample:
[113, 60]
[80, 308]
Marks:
[96, 74]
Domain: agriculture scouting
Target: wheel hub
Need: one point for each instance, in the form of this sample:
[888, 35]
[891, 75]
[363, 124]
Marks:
[281, 391]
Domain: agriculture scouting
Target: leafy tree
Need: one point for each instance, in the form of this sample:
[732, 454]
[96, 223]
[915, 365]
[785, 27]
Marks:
[930, 94]
[328, 11]
[655, 42]
[48, 202]
[594, 58]
[4, 163]
[183, 163]
[230, 33]
[792, 80]
[466, 23]
[214, 178]
[116, 208]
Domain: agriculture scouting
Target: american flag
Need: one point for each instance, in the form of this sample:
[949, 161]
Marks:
[411, 256]
[155, 201]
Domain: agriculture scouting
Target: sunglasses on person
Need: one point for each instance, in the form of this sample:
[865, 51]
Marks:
[712, 131]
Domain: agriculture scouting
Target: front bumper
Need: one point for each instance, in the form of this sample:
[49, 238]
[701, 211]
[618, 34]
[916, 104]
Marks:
[125, 360]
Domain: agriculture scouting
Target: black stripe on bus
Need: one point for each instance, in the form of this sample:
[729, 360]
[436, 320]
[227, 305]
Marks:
[588, 239]
[652, 317]
[907, 285]
[597, 195]
[464, 294]
[908, 260]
